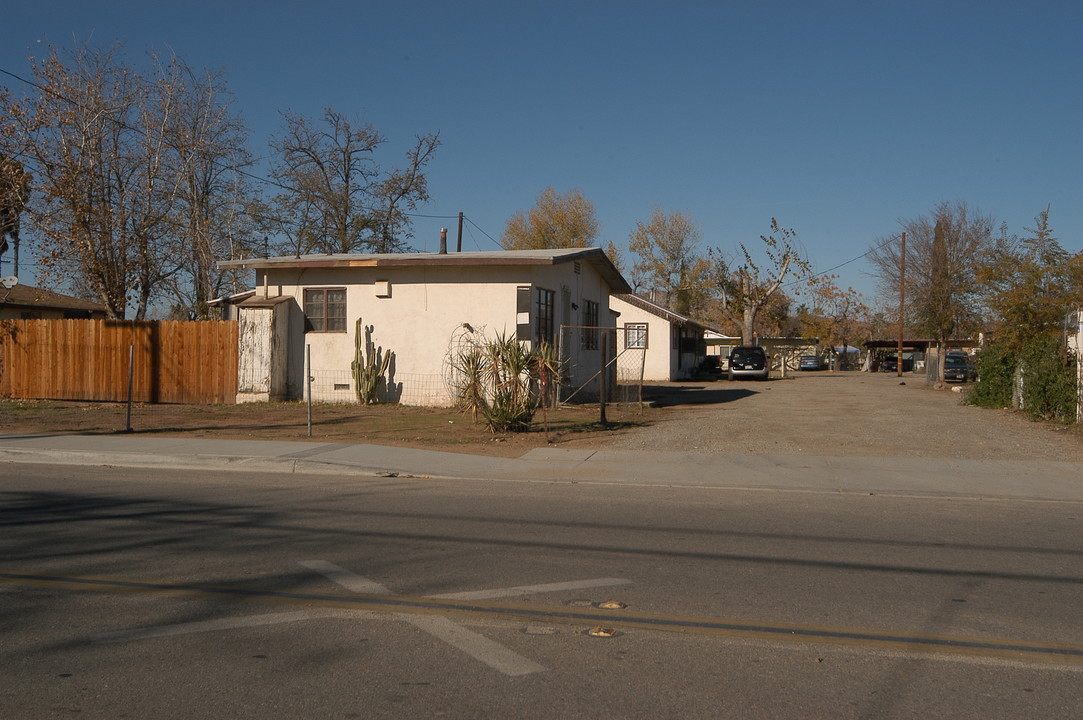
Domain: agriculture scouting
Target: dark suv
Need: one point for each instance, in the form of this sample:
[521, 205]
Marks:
[957, 368]
[748, 361]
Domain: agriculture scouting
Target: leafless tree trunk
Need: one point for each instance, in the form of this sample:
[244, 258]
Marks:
[336, 198]
[943, 250]
[747, 288]
[208, 155]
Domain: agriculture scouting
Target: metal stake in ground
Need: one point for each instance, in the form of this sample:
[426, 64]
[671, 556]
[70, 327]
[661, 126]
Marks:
[131, 364]
[308, 381]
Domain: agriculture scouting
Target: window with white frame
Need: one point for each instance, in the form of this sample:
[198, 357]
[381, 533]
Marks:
[635, 335]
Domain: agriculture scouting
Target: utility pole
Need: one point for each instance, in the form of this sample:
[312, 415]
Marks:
[902, 302]
[459, 245]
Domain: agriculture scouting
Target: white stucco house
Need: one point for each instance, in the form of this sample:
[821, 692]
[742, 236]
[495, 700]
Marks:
[673, 344]
[419, 306]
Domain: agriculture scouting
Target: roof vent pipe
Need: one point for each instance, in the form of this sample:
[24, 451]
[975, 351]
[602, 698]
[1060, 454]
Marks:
[443, 241]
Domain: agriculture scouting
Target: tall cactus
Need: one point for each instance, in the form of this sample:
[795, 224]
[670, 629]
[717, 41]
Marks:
[369, 365]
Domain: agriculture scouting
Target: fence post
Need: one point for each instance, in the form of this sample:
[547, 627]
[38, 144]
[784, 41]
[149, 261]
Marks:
[603, 380]
[308, 382]
[131, 372]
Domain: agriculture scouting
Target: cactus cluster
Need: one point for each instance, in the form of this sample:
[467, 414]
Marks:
[369, 365]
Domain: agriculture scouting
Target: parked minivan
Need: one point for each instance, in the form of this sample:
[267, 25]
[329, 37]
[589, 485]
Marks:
[748, 361]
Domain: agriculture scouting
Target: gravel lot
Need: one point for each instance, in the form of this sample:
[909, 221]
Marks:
[853, 413]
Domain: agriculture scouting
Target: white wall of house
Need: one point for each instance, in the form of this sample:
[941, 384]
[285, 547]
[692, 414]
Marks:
[1074, 336]
[660, 362]
[419, 313]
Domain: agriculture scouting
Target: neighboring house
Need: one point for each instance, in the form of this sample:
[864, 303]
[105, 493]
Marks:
[423, 308]
[23, 302]
[673, 345]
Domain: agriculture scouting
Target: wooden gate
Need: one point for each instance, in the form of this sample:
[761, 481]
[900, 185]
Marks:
[173, 361]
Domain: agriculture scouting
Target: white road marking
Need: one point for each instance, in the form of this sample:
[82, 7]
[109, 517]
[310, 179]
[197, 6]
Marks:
[345, 578]
[530, 589]
[214, 625]
[473, 644]
[477, 646]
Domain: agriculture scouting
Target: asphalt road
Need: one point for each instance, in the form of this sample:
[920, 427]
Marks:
[192, 594]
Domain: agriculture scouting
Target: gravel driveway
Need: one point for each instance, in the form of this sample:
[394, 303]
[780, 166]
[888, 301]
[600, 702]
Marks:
[853, 413]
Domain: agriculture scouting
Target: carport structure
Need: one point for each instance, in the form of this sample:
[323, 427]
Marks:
[917, 345]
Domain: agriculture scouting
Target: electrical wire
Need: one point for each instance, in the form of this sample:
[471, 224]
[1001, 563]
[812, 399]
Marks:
[823, 273]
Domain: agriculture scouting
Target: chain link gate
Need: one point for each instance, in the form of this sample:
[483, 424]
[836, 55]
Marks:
[581, 349]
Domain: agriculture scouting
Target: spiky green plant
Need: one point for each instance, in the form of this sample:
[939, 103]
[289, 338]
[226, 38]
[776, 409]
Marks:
[471, 366]
[497, 379]
[369, 365]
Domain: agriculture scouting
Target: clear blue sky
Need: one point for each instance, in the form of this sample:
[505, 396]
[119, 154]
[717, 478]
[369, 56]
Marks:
[837, 118]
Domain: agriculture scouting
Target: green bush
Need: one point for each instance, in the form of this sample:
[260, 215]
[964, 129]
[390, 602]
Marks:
[1048, 373]
[1049, 380]
[996, 368]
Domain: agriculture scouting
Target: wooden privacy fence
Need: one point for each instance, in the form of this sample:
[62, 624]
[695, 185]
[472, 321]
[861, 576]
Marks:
[174, 361]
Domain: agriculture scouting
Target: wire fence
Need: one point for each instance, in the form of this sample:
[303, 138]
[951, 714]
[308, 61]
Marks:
[582, 349]
[333, 392]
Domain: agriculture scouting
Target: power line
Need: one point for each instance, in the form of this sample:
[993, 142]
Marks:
[865, 254]
[494, 241]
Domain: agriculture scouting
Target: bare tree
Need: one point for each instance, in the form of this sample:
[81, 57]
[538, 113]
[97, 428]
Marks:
[14, 194]
[746, 287]
[401, 191]
[95, 135]
[336, 198]
[943, 250]
[208, 144]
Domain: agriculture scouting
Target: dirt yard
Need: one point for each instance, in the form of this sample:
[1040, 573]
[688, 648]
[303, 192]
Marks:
[809, 413]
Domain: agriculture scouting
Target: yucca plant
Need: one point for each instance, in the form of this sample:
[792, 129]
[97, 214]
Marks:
[471, 368]
[498, 379]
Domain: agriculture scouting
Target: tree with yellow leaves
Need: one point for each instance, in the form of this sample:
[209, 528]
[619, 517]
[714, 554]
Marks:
[556, 221]
[669, 264]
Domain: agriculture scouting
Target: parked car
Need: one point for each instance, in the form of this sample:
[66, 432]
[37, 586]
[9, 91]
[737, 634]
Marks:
[811, 362]
[891, 364]
[957, 368]
[748, 361]
[709, 368]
